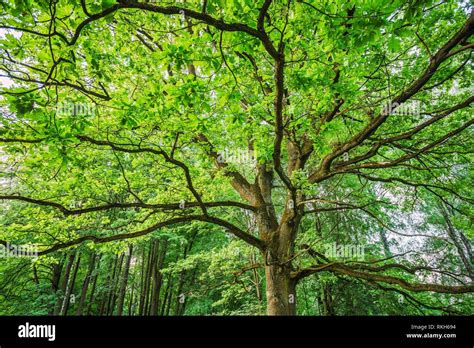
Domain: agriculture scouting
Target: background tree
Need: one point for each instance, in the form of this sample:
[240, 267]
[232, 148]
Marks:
[290, 125]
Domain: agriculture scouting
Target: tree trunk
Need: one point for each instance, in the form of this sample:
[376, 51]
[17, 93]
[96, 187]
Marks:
[181, 298]
[108, 282]
[123, 286]
[167, 294]
[142, 283]
[70, 288]
[281, 294]
[85, 285]
[386, 246]
[35, 275]
[146, 284]
[326, 301]
[456, 237]
[168, 305]
[131, 304]
[280, 287]
[94, 284]
[65, 280]
[158, 278]
[56, 269]
[153, 295]
[182, 305]
[113, 294]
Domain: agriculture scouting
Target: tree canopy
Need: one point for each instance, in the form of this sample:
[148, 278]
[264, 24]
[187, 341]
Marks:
[236, 157]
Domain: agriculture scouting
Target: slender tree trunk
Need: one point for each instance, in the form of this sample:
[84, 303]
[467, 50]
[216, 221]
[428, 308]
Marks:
[56, 268]
[146, 284]
[326, 301]
[181, 298]
[168, 305]
[64, 282]
[153, 295]
[467, 245]
[167, 294]
[123, 286]
[56, 276]
[158, 278]
[457, 238]
[108, 282]
[70, 288]
[94, 284]
[386, 246]
[142, 283]
[85, 284]
[130, 303]
[182, 305]
[35, 275]
[165, 310]
[113, 293]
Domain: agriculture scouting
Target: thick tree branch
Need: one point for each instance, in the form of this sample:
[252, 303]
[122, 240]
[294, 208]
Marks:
[254, 241]
[353, 272]
[166, 206]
